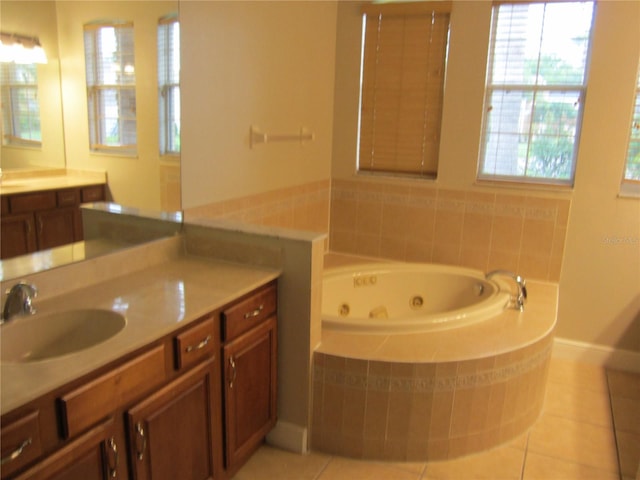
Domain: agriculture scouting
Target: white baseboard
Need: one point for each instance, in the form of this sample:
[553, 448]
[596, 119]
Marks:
[600, 355]
[288, 436]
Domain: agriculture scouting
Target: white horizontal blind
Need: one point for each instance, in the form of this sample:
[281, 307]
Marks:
[535, 90]
[169, 84]
[20, 106]
[632, 170]
[111, 90]
[404, 59]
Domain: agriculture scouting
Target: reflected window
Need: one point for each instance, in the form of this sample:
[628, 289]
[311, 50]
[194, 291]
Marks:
[111, 87]
[632, 168]
[169, 84]
[20, 106]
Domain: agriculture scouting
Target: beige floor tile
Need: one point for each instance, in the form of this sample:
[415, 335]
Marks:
[541, 467]
[626, 414]
[269, 463]
[576, 374]
[497, 464]
[346, 469]
[578, 404]
[624, 384]
[577, 442]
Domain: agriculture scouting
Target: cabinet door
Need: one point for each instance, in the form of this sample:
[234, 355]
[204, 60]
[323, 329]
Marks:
[56, 227]
[250, 390]
[92, 456]
[173, 433]
[18, 235]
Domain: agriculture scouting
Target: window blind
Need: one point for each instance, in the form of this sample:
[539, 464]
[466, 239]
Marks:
[404, 60]
[20, 105]
[169, 84]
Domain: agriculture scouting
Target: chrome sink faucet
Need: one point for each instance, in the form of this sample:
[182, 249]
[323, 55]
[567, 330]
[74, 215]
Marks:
[521, 297]
[19, 301]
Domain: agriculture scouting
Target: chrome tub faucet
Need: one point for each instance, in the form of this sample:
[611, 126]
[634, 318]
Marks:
[521, 297]
[19, 301]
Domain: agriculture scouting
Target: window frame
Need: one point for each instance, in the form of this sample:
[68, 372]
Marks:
[97, 89]
[168, 90]
[535, 89]
[631, 186]
[12, 111]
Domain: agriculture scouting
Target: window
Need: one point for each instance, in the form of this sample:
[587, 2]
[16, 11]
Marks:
[111, 87]
[20, 108]
[535, 91]
[169, 84]
[632, 169]
[403, 70]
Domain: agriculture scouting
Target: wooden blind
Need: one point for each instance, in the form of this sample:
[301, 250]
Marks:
[405, 48]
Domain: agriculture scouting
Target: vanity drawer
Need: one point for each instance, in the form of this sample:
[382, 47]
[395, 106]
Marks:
[30, 202]
[93, 401]
[195, 344]
[94, 193]
[20, 442]
[68, 198]
[248, 313]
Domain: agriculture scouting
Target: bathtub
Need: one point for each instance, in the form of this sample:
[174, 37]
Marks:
[390, 298]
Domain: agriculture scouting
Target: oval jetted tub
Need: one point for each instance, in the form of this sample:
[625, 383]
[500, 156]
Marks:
[392, 298]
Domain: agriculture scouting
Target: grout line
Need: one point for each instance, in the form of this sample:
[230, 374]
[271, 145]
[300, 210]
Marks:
[324, 468]
[524, 457]
[613, 424]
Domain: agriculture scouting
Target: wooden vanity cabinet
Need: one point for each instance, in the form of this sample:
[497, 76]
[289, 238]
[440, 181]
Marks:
[249, 374]
[162, 412]
[94, 455]
[40, 220]
[173, 432]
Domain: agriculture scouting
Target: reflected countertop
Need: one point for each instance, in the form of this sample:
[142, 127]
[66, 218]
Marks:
[14, 182]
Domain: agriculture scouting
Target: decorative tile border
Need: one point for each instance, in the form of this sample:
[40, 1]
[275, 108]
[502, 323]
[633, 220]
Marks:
[362, 380]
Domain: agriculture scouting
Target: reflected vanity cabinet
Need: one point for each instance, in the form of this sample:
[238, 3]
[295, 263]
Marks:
[44, 219]
[165, 411]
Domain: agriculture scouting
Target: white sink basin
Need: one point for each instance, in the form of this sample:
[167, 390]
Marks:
[46, 336]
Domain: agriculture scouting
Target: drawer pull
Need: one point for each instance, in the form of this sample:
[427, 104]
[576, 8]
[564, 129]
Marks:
[254, 313]
[199, 346]
[234, 371]
[113, 468]
[17, 452]
[140, 434]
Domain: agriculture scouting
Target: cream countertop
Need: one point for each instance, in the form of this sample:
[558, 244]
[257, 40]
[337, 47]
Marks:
[156, 301]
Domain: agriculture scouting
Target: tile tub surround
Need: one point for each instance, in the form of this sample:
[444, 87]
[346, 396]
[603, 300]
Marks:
[302, 207]
[435, 395]
[424, 223]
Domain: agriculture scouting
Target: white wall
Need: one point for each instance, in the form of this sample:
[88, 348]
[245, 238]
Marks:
[244, 63]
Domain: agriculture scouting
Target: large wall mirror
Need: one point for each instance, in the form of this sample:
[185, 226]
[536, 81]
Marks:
[147, 180]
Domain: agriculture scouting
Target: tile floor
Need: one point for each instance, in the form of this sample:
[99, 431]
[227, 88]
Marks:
[589, 429]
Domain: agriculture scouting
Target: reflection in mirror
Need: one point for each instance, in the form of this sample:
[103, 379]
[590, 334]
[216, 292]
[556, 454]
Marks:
[147, 180]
